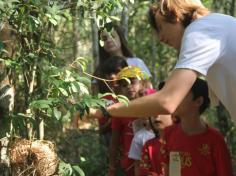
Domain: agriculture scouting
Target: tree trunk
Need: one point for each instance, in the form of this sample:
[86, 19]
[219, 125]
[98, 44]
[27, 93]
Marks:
[125, 21]
[232, 8]
[154, 61]
[4, 159]
[41, 129]
[95, 43]
[217, 5]
[6, 89]
[76, 35]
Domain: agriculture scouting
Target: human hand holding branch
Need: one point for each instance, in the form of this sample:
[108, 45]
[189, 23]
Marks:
[93, 114]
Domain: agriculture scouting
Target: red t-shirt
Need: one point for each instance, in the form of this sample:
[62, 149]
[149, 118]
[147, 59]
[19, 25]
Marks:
[124, 125]
[204, 154]
[151, 159]
[109, 101]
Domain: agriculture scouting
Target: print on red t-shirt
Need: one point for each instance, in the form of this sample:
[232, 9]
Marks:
[204, 154]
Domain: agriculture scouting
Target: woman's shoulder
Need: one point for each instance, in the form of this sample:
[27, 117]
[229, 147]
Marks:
[210, 22]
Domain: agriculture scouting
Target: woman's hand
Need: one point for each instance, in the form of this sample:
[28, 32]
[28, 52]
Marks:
[93, 114]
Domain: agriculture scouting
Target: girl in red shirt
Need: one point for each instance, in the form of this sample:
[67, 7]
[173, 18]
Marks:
[122, 131]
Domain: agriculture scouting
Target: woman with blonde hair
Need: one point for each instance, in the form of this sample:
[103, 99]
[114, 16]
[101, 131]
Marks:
[206, 43]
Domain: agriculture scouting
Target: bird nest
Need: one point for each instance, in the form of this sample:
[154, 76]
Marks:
[32, 158]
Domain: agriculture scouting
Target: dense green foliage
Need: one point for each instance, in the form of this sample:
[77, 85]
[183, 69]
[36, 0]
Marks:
[51, 46]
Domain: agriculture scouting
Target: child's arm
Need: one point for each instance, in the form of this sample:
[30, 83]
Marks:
[114, 150]
[136, 167]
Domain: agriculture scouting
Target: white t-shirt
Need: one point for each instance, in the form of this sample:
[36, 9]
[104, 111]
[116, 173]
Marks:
[138, 142]
[134, 61]
[209, 47]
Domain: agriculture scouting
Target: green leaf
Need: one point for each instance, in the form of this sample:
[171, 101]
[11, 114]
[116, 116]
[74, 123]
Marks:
[66, 117]
[78, 170]
[115, 18]
[108, 20]
[83, 80]
[57, 113]
[99, 21]
[83, 88]
[48, 15]
[123, 99]
[31, 28]
[131, 1]
[127, 79]
[101, 43]
[109, 27]
[24, 115]
[106, 94]
[63, 91]
[65, 168]
[41, 104]
[1, 46]
[80, 3]
[82, 62]
[53, 21]
[82, 159]
[56, 82]
[74, 88]
[11, 63]
[36, 21]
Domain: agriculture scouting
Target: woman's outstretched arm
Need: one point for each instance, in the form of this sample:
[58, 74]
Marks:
[164, 101]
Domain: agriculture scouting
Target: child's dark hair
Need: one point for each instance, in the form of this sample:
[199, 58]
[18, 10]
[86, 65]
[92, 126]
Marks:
[161, 85]
[200, 89]
[112, 65]
[155, 131]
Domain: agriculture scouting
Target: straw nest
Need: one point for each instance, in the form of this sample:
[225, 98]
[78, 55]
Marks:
[32, 158]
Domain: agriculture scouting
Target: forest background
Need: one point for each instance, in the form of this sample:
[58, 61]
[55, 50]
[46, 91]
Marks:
[47, 50]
